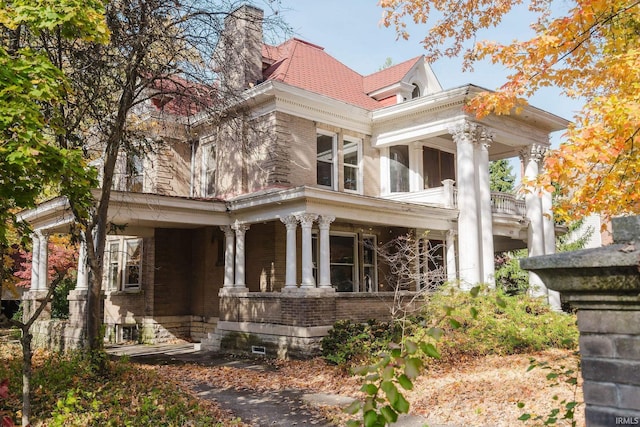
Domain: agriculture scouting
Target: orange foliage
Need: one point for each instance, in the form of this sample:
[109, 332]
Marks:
[591, 52]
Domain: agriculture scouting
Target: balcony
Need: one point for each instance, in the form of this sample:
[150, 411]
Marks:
[447, 196]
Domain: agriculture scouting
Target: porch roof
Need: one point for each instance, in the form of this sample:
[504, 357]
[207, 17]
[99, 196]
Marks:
[143, 211]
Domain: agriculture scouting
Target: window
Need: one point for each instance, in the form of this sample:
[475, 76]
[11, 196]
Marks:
[209, 169]
[399, 168]
[134, 173]
[370, 269]
[124, 263]
[351, 154]
[438, 166]
[325, 150]
[343, 263]
[432, 272]
[416, 91]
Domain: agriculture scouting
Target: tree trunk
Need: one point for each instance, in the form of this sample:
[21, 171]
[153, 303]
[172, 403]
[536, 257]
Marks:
[27, 355]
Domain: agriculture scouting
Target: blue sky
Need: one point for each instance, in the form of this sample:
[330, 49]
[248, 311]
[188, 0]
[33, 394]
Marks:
[350, 31]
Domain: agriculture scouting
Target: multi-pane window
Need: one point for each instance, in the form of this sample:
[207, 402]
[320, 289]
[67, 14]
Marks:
[369, 264]
[431, 264]
[344, 261]
[209, 170]
[124, 263]
[399, 168]
[325, 159]
[352, 170]
[134, 173]
[343, 264]
[438, 166]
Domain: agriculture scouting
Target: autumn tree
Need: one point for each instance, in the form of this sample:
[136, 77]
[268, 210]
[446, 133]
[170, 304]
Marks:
[30, 161]
[590, 52]
[161, 49]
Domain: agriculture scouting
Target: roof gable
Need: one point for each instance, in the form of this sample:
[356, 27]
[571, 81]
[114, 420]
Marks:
[390, 75]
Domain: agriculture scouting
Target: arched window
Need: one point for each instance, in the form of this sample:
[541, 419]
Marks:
[416, 91]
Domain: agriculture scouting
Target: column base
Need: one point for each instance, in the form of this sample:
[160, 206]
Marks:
[234, 290]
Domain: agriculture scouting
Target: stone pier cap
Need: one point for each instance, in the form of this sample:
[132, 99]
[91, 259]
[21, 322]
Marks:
[594, 278]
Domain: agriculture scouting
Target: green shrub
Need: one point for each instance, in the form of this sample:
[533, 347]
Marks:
[496, 323]
[348, 342]
[490, 322]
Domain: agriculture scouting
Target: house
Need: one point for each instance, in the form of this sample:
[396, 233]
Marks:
[257, 231]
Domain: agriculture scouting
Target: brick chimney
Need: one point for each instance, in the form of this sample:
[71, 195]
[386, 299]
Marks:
[238, 55]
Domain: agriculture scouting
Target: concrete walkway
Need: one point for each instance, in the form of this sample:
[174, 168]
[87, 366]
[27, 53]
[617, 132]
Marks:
[284, 408]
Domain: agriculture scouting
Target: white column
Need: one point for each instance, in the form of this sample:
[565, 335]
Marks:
[416, 182]
[535, 235]
[43, 263]
[548, 225]
[449, 196]
[451, 256]
[35, 261]
[291, 222]
[486, 216]
[240, 230]
[306, 222]
[229, 255]
[468, 235]
[82, 282]
[324, 222]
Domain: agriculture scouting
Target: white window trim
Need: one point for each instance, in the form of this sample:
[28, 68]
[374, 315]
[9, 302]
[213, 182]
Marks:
[355, 279]
[204, 176]
[374, 279]
[122, 255]
[358, 167]
[334, 158]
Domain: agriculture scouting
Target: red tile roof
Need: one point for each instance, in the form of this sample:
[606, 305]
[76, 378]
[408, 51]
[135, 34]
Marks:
[389, 76]
[309, 67]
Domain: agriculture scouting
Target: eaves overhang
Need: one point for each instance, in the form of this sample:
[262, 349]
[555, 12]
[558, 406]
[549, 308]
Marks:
[434, 114]
[272, 95]
[132, 210]
[344, 206]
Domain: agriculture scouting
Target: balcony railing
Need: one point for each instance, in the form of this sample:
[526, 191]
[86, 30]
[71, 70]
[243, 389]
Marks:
[447, 196]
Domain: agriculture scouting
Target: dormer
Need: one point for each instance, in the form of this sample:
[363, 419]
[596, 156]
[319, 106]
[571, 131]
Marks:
[402, 82]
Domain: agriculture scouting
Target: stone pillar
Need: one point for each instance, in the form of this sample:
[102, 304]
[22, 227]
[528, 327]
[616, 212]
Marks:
[603, 284]
[240, 230]
[486, 215]
[306, 222]
[291, 222]
[229, 256]
[324, 222]
[468, 233]
[531, 159]
[39, 278]
[450, 244]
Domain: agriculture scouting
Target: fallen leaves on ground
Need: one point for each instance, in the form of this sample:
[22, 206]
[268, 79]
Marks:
[469, 391]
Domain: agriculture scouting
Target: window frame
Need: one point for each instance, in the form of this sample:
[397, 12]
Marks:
[357, 167]
[373, 265]
[406, 178]
[334, 158]
[207, 171]
[134, 172]
[121, 262]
